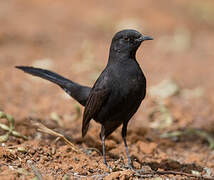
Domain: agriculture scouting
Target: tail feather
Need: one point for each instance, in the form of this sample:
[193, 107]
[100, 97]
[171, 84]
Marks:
[78, 92]
[45, 74]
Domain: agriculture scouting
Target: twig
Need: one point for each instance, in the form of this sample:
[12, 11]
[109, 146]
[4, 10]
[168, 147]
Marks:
[145, 174]
[148, 175]
[184, 174]
[44, 129]
[95, 176]
[35, 170]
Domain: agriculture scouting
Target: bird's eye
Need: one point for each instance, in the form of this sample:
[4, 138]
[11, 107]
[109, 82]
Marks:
[126, 39]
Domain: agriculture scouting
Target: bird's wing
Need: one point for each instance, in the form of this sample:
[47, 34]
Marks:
[96, 99]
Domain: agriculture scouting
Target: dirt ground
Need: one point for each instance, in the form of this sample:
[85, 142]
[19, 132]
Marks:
[72, 38]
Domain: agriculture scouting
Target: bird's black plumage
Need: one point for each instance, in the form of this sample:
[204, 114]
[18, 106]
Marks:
[78, 92]
[117, 93]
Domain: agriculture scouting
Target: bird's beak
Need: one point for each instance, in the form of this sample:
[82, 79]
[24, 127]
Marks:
[144, 38]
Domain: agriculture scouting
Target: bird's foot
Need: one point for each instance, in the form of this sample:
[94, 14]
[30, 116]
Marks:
[109, 167]
[137, 172]
[130, 166]
[140, 170]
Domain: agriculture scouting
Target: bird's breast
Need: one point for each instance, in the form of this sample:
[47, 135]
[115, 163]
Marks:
[130, 87]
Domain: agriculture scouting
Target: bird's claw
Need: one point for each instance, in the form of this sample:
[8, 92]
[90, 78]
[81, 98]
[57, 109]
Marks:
[130, 165]
[109, 167]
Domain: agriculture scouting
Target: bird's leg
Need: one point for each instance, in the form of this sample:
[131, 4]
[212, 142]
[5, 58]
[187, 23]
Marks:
[130, 164]
[102, 134]
[124, 129]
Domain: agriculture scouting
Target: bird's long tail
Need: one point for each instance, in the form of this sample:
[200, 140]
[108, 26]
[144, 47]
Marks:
[78, 92]
[45, 74]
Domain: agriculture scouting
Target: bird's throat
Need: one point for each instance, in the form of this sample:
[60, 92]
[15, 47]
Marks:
[116, 55]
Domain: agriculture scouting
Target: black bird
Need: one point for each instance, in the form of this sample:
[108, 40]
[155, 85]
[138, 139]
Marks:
[116, 94]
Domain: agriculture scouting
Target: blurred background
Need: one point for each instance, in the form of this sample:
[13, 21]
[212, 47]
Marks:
[72, 38]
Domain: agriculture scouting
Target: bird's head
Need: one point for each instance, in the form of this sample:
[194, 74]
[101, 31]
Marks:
[127, 41]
